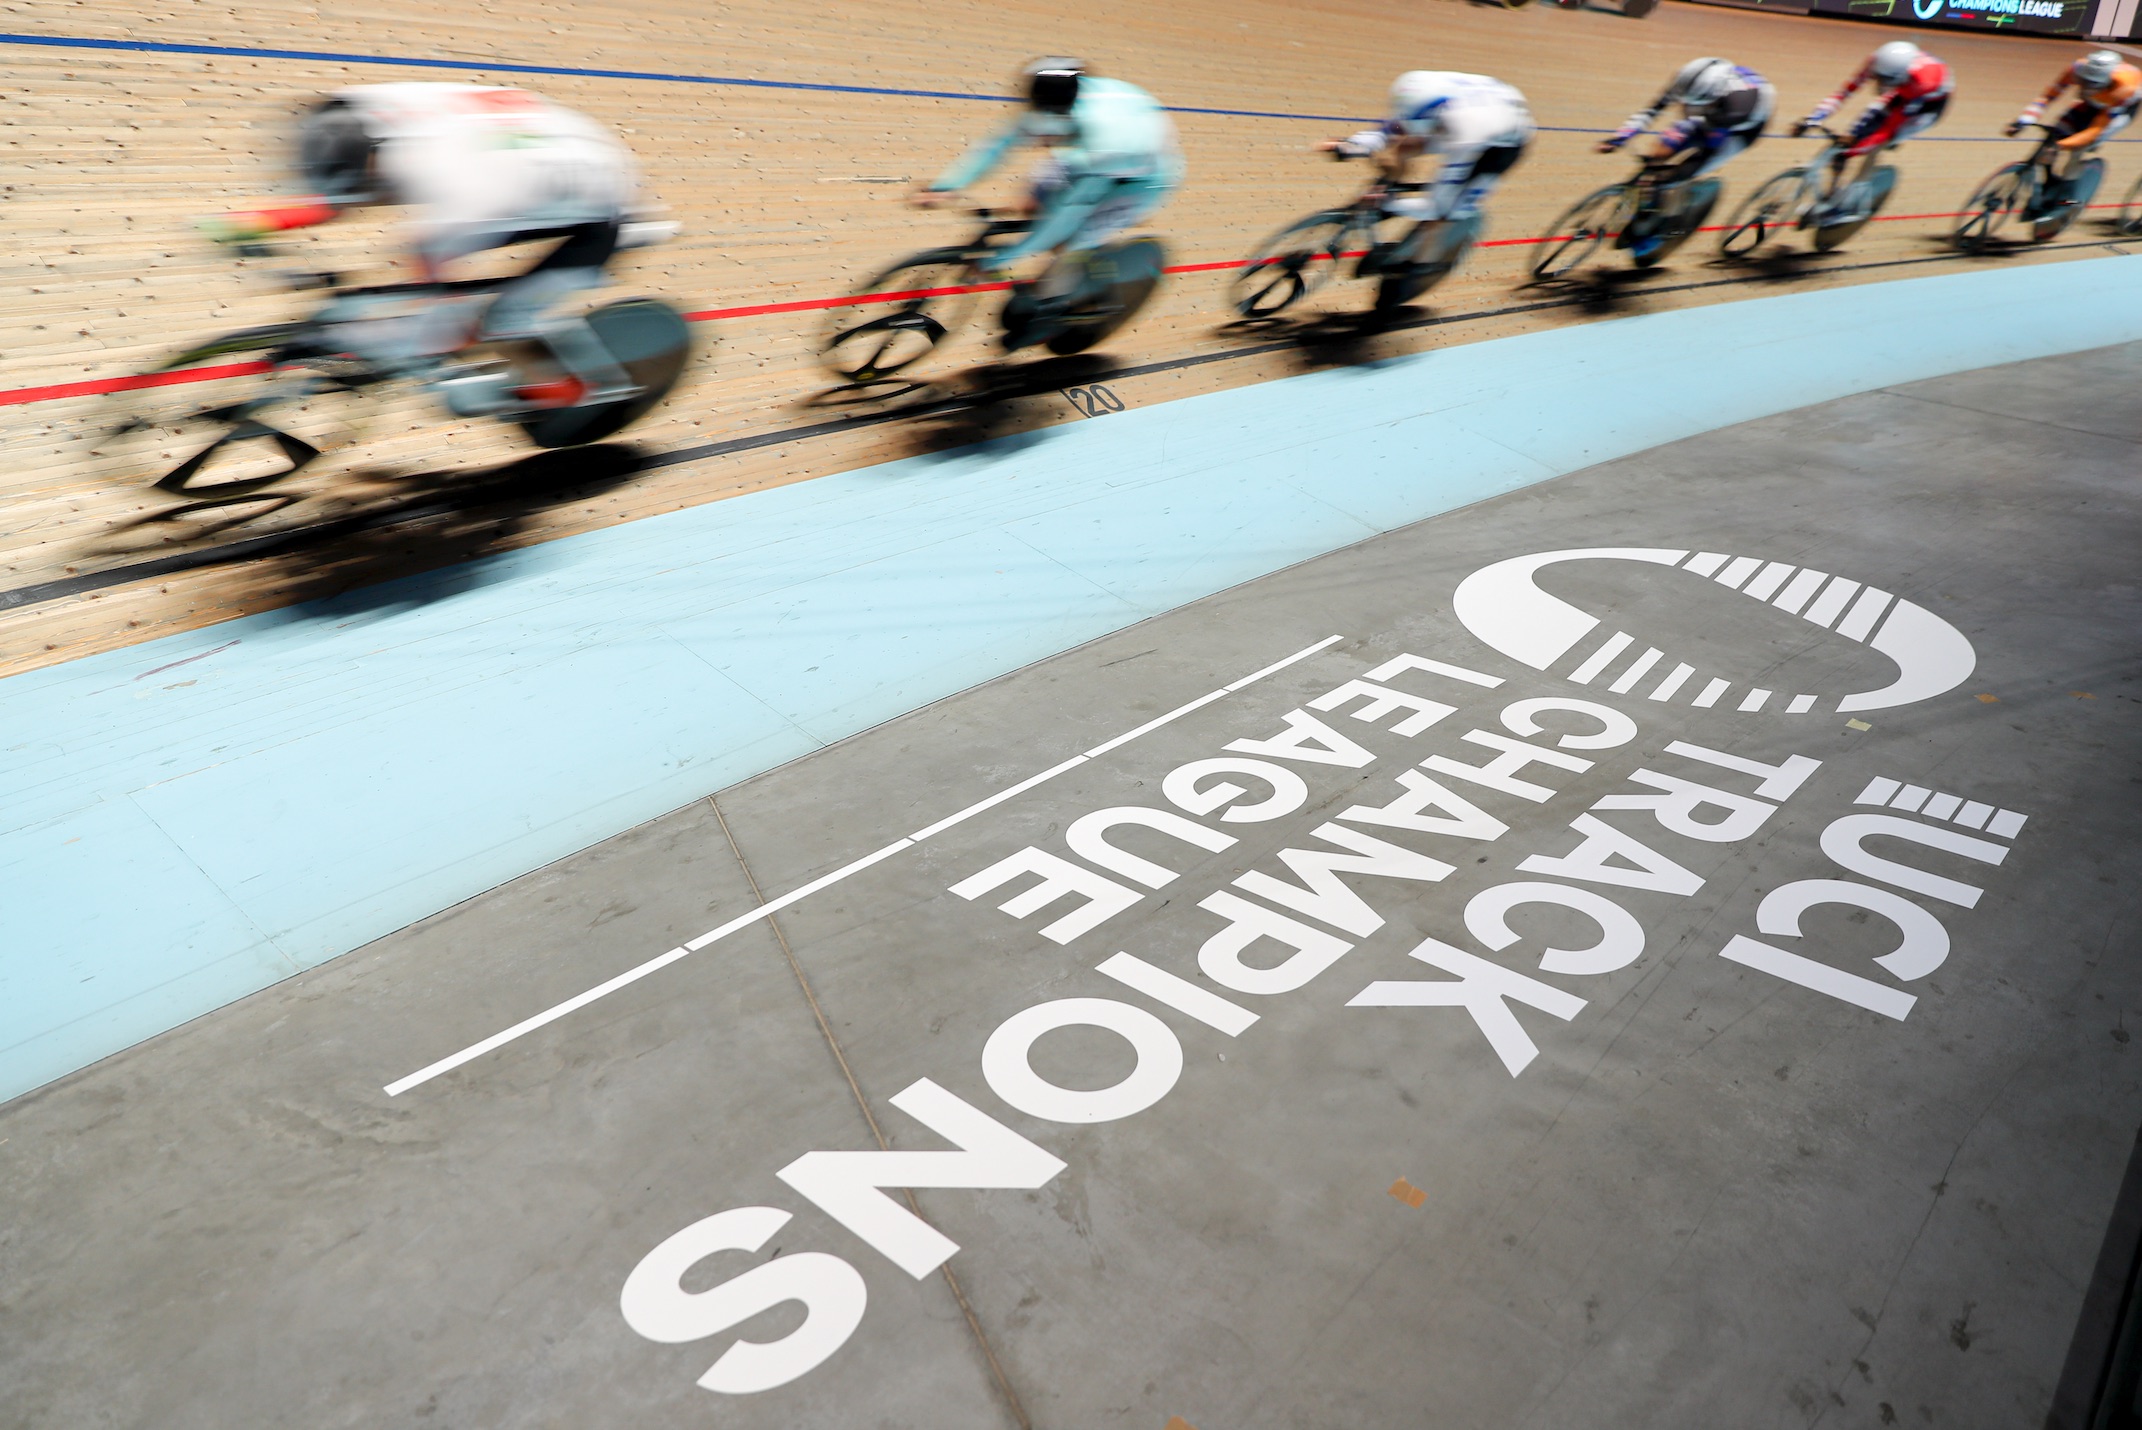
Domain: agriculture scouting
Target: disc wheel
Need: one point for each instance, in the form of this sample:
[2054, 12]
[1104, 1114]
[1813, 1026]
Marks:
[651, 341]
[1696, 206]
[2074, 196]
[1880, 184]
[2131, 210]
[234, 416]
[1137, 267]
[1577, 233]
[1990, 206]
[1290, 265]
[905, 312]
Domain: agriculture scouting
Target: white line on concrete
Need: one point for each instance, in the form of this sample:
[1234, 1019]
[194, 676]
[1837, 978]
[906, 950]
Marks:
[774, 906]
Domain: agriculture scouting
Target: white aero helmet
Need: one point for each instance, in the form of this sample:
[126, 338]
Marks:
[2094, 70]
[1418, 93]
[1703, 81]
[1893, 61]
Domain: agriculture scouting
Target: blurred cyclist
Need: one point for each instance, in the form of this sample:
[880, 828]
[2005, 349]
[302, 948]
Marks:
[1723, 110]
[484, 168]
[1111, 160]
[1476, 127]
[2107, 91]
[1914, 90]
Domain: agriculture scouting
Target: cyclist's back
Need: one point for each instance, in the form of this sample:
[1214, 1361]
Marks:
[483, 166]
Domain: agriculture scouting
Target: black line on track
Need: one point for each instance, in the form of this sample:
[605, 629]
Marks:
[274, 543]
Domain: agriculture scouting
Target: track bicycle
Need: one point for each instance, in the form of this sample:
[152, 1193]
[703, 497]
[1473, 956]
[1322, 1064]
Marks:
[271, 400]
[1308, 253]
[1807, 196]
[2026, 194]
[902, 314]
[1648, 218]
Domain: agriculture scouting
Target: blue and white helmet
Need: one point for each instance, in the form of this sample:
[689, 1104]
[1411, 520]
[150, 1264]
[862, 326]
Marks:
[1704, 81]
[1416, 95]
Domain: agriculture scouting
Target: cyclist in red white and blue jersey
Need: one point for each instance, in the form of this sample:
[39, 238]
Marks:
[1914, 90]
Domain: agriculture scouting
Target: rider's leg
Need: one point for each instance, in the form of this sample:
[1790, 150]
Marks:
[521, 313]
[1122, 205]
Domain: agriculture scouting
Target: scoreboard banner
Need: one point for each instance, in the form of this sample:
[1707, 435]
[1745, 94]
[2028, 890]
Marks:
[2049, 17]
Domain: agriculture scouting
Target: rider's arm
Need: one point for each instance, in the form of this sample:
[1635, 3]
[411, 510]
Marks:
[977, 161]
[1366, 144]
[1058, 221]
[1635, 124]
[2036, 107]
[1836, 101]
[252, 225]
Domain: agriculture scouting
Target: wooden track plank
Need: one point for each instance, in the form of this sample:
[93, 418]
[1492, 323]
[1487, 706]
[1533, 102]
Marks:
[111, 156]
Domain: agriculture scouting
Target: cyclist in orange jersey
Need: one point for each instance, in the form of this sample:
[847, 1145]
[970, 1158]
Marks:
[2107, 88]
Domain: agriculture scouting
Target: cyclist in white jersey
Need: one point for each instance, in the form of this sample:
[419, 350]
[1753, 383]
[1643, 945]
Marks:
[483, 168]
[1472, 127]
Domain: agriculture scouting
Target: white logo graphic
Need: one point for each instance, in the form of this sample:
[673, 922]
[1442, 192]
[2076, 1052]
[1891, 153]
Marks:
[1503, 607]
[1927, 9]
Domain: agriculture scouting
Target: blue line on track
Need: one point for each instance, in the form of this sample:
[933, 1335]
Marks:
[150, 47]
[503, 67]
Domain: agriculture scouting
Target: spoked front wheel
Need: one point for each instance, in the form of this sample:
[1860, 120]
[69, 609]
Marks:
[1992, 204]
[1590, 222]
[1290, 265]
[900, 316]
[234, 416]
[1767, 211]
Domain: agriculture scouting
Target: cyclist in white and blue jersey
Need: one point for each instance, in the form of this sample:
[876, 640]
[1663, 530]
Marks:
[1472, 127]
[1724, 107]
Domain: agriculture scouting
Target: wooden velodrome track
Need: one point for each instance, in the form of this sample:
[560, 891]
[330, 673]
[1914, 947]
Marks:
[785, 195]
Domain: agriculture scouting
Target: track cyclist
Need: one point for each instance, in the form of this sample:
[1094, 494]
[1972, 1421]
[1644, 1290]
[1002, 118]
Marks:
[1474, 126]
[1111, 159]
[1724, 107]
[2107, 90]
[1914, 89]
[484, 168]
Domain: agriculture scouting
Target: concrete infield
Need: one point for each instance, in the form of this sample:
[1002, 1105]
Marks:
[1807, 1098]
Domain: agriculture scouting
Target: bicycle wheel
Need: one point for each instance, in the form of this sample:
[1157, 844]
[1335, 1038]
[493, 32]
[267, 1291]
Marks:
[1762, 213]
[235, 415]
[651, 342]
[2130, 220]
[1696, 206]
[1871, 197]
[1136, 268]
[2073, 195]
[1990, 205]
[1589, 222]
[1291, 264]
[915, 305]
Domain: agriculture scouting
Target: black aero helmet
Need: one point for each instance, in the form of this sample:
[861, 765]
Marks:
[335, 151]
[1052, 83]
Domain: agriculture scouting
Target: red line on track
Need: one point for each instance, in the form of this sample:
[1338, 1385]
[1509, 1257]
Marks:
[97, 387]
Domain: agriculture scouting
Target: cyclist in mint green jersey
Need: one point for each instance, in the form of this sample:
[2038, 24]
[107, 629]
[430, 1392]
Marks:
[1111, 160]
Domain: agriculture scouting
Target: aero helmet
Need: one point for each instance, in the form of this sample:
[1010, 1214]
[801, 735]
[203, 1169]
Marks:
[1893, 61]
[1051, 83]
[2094, 70]
[1416, 92]
[1703, 81]
[335, 153]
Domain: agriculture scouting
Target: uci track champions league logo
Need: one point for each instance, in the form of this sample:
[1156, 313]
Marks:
[1363, 827]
